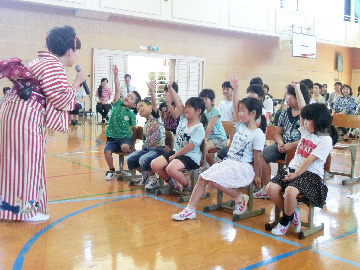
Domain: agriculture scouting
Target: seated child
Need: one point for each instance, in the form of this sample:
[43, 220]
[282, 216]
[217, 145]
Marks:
[226, 106]
[235, 171]
[215, 132]
[306, 169]
[118, 131]
[186, 155]
[154, 133]
[170, 114]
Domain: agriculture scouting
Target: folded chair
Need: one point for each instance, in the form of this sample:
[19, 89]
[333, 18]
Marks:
[136, 134]
[230, 205]
[347, 121]
[194, 175]
[311, 227]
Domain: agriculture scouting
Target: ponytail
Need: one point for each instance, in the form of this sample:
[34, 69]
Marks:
[263, 123]
[203, 120]
[100, 91]
[333, 134]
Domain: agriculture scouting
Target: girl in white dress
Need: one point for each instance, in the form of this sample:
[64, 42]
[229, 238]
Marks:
[235, 171]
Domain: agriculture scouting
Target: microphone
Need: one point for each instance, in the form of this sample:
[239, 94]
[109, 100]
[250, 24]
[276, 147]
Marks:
[87, 91]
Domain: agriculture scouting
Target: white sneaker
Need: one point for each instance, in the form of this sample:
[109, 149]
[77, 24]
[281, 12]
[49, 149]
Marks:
[280, 229]
[261, 194]
[185, 214]
[144, 179]
[38, 217]
[296, 221]
[241, 206]
[110, 175]
[152, 182]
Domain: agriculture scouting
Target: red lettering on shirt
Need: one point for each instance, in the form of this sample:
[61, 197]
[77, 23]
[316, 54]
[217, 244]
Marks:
[306, 147]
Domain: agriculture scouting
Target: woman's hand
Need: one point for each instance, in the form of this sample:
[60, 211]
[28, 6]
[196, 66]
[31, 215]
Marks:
[79, 78]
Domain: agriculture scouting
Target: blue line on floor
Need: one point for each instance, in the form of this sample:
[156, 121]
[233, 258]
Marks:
[98, 143]
[230, 222]
[92, 199]
[19, 261]
[336, 257]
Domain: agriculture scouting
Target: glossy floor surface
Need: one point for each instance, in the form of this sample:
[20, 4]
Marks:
[99, 224]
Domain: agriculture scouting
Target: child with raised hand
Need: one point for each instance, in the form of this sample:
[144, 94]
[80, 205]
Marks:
[189, 135]
[235, 171]
[118, 131]
[306, 169]
[215, 132]
[171, 112]
[154, 142]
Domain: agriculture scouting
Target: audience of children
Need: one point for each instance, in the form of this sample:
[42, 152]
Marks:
[306, 169]
[234, 171]
[215, 133]
[118, 131]
[154, 142]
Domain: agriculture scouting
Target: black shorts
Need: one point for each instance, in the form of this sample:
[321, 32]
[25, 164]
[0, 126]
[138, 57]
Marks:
[187, 161]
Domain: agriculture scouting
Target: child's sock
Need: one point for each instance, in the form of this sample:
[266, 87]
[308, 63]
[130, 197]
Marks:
[239, 198]
[285, 220]
[112, 170]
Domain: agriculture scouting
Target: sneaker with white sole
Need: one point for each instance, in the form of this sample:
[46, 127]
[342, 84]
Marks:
[144, 179]
[296, 220]
[38, 217]
[174, 185]
[241, 206]
[280, 229]
[152, 182]
[260, 194]
[109, 175]
[185, 214]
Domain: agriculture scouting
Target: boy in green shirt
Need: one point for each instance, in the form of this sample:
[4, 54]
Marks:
[121, 119]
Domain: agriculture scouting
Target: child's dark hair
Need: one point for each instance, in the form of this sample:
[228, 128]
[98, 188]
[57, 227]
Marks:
[207, 93]
[318, 84]
[161, 106]
[348, 86]
[226, 85]
[321, 116]
[174, 86]
[257, 89]
[100, 86]
[5, 89]
[256, 80]
[61, 39]
[137, 100]
[309, 83]
[338, 83]
[253, 104]
[324, 85]
[304, 90]
[127, 75]
[198, 103]
[147, 102]
[267, 87]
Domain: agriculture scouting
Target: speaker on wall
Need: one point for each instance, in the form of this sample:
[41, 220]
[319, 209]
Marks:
[339, 62]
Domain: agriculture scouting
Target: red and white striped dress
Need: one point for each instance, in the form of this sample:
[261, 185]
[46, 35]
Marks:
[23, 140]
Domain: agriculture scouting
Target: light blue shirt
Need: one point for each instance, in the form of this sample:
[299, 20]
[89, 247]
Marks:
[185, 135]
[218, 131]
[244, 143]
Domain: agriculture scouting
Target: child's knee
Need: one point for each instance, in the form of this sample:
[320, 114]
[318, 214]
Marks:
[107, 153]
[291, 192]
[125, 148]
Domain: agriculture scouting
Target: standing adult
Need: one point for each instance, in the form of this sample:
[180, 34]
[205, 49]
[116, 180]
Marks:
[104, 98]
[23, 192]
[127, 88]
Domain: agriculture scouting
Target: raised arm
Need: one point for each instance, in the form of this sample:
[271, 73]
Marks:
[179, 110]
[234, 81]
[118, 93]
[300, 99]
[152, 85]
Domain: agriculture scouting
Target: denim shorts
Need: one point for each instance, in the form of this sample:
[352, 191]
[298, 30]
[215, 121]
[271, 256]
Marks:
[114, 145]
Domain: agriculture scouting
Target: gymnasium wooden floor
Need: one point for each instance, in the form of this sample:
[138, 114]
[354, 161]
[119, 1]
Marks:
[98, 224]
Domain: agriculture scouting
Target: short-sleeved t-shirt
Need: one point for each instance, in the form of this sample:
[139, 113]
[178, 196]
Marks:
[218, 131]
[154, 131]
[311, 144]
[185, 135]
[290, 126]
[245, 141]
[121, 119]
[227, 110]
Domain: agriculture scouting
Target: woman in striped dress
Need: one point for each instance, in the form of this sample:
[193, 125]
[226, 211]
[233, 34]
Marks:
[23, 193]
